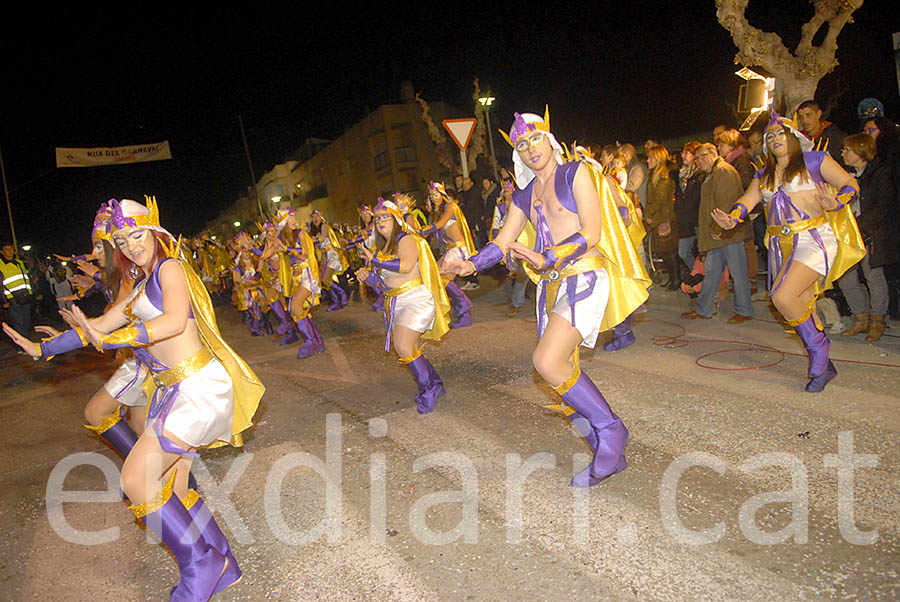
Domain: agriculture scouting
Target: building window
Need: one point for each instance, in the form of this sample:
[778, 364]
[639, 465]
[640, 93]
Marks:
[382, 160]
[406, 154]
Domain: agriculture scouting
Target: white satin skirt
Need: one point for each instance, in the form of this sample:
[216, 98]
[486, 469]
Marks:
[415, 309]
[117, 385]
[309, 283]
[333, 261]
[808, 252]
[203, 410]
[588, 311]
[456, 254]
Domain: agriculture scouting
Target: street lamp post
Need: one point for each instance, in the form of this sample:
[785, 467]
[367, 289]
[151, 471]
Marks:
[486, 102]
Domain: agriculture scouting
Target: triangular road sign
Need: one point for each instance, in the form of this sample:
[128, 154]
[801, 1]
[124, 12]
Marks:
[460, 130]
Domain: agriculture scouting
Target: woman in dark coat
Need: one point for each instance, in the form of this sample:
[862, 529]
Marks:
[687, 204]
[876, 215]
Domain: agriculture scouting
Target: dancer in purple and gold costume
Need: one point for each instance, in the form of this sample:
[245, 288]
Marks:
[332, 260]
[590, 277]
[203, 395]
[299, 276]
[812, 234]
[452, 232]
[414, 298]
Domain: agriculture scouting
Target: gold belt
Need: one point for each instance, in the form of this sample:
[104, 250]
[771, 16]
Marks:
[407, 286]
[795, 227]
[178, 373]
[453, 245]
[585, 264]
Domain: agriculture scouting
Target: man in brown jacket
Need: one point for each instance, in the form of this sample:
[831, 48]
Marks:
[721, 189]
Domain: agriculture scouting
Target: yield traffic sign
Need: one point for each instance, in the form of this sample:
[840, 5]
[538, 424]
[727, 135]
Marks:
[460, 130]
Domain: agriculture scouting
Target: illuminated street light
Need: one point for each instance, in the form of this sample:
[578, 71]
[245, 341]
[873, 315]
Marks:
[486, 102]
[276, 199]
[213, 237]
[237, 224]
[26, 248]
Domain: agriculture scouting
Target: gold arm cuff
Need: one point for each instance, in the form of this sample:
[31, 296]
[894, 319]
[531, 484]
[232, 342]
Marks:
[406, 286]
[158, 501]
[107, 423]
[411, 357]
[190, 499]
[81, 336]
[178, 373]
[125, 335]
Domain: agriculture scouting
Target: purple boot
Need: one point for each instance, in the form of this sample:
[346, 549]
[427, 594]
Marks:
[290, 337]
[207, 525]
[460, 304]
[285, 324]
[313, 341]
[267, 325]
[255, 325]
[201, 565]
[340, 295]
[430, 384]
[821, 371]
[379, 303]
[622, 335]
[117, 433]
[608, 435]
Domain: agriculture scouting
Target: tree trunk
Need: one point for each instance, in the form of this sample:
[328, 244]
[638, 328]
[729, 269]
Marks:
[791, 91]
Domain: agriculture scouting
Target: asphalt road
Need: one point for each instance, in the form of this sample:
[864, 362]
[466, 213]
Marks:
[740, 485]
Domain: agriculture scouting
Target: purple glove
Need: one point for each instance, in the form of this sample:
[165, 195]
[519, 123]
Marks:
[490, 254]
[63, 342]
[566, 252]
[391, 265]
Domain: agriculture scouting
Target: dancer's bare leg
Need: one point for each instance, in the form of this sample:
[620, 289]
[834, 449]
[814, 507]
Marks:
[552, 357]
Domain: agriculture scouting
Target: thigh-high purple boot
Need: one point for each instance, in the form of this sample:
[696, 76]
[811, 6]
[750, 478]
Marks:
[430, 384]
[609, 434]
[207, 525]
[821, 371]
[201, 565]
[313, 341]
[117, 433]
[285, 324]
[460, 304]
[622, 335]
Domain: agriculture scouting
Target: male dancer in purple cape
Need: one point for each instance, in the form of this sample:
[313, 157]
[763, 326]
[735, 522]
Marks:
[570, 203]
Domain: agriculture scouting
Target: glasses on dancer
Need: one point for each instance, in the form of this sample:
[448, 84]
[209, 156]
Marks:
[771, 136]
[523, 144]
[384, 217]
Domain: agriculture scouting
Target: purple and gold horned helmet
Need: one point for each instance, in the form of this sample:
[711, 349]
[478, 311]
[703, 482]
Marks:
[131, 214]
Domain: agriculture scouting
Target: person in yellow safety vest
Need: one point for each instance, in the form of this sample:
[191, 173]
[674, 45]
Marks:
[16, 290]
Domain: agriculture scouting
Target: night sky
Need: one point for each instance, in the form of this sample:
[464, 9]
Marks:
[618, 71]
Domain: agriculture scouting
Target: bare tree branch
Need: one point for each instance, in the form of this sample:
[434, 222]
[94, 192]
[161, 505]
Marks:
[801, 70]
